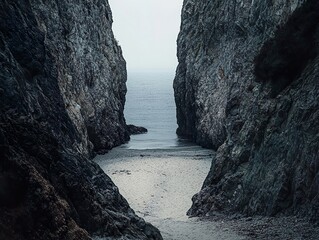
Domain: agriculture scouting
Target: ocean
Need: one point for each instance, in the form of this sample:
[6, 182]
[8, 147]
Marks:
[150, 103]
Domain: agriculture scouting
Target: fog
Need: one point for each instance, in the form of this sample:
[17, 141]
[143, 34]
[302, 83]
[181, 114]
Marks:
[147, 31]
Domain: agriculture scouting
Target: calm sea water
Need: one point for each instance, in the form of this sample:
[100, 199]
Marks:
[150, 103]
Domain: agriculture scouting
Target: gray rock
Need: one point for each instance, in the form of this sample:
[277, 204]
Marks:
[62, 93]
[250, 91]
[136, 129]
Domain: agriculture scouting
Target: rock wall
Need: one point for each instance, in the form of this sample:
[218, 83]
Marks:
[247, 86]
[62, 94]
[80, 39]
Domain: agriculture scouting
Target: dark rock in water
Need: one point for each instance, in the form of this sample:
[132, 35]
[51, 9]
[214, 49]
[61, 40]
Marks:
[62, 93]
[132, 129]
[247, 85]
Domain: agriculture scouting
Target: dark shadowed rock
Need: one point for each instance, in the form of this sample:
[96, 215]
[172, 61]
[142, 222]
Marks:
[136, 130]
[247, 85]
[62, 93]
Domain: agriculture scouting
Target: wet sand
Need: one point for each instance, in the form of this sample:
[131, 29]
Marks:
[159, 185]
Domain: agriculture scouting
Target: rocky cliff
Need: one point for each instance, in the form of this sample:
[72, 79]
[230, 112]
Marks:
[247, 86]
[62, 94]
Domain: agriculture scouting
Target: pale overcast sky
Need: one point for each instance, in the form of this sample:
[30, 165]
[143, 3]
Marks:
[147, 31]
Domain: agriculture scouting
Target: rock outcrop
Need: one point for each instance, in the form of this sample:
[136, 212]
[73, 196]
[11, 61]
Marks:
[247, 85]
[62, 94]
[133, 130]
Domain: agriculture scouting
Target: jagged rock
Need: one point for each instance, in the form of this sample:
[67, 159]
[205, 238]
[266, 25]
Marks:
[136, 130]
[247, 85]
[62, 93]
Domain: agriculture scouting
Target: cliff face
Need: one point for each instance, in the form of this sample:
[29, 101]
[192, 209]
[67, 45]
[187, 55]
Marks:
[247, 85]
[62, 94]
[80, 39]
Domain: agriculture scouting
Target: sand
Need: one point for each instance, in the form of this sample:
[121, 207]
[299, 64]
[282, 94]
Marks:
[159, 185]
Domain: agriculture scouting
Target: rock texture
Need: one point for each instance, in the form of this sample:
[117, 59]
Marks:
[133, 130]
[62, 94]
[247, 85]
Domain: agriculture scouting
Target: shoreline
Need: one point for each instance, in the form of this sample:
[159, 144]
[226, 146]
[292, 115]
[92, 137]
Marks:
[159, 185]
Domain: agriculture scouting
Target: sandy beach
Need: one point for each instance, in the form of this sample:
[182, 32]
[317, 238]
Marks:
[159, 185]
